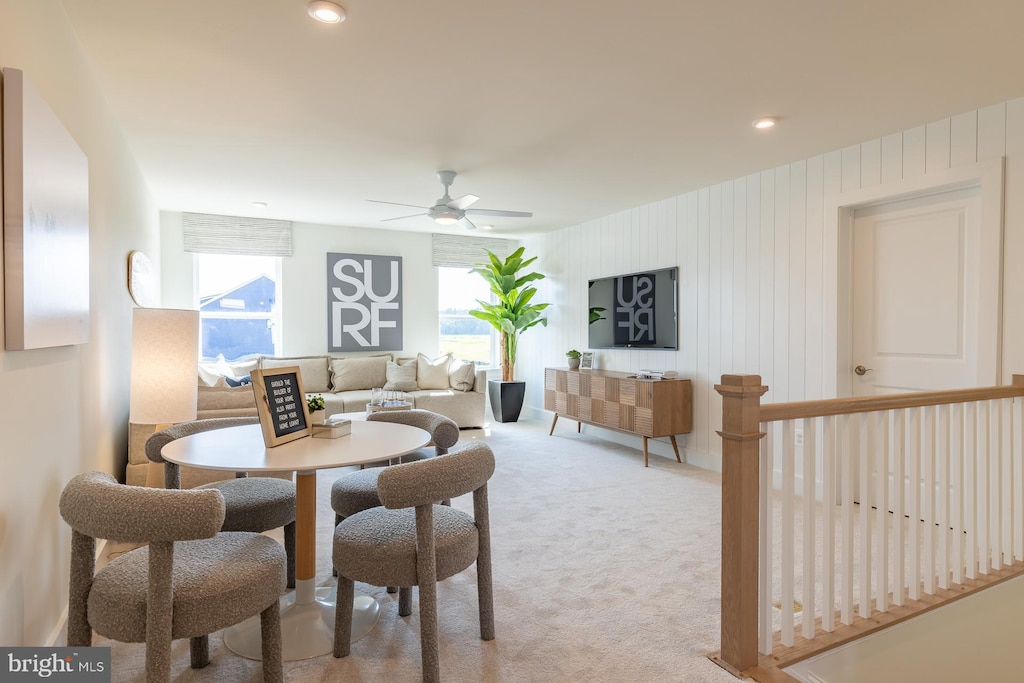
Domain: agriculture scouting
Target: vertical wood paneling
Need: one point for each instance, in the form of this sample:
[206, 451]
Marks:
[705, 385]
[740, 291]
[936, 156]
[871, 163]
[914, 152]
[1013, 239]
[830, 291]
[767, 298]
[851, 168]
[892, 158]
[813, 286]
[714, 220]
[727, 294]
[781, 321]
[991, 132]
[753, 325]
[687, 215]
[963, 139]
[797, 279]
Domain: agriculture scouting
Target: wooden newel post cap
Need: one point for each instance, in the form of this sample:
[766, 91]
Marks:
[741, 385]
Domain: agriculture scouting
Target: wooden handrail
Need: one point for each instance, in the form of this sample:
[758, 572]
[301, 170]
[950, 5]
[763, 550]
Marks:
[773, 412]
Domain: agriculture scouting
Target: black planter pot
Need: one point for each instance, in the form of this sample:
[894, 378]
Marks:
[506, 399]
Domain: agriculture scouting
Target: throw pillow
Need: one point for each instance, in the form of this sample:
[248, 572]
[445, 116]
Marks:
[401, 377]
[238, 382]
[312, 369]
[350, 374]
[432, 373]
[462, 375]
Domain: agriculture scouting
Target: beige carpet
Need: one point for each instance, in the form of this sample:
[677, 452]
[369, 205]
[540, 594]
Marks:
[603, 571]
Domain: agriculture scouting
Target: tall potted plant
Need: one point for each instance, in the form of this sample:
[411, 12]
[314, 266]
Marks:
[513, 314]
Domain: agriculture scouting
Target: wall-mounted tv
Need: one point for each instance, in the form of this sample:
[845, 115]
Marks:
[637, 310]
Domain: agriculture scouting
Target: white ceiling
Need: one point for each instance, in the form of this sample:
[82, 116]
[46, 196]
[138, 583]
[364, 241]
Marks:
[573, 110]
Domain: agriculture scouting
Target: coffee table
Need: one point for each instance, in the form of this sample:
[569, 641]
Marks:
[307, 615]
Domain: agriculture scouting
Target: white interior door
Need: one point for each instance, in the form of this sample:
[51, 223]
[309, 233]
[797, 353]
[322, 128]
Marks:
[917, 278]
[917, 269]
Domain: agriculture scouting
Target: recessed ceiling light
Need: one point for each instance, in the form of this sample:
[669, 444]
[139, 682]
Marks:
[260, 205]
[487, 227]
[326, 11]
[765, 122]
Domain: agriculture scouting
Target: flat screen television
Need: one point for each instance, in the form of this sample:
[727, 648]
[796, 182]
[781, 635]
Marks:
[637, 310]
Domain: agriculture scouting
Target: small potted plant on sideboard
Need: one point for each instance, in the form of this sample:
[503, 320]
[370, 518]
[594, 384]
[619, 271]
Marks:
[574, 359]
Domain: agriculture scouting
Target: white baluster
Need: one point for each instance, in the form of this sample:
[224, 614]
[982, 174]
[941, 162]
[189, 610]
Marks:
[788, 559]
[914, 502]
[971, 487]
[880, 446]
[956, 493]
[846, 538]
[765, 541]
[810, 535]
[899, 455]
[828, 524]
[942, 493]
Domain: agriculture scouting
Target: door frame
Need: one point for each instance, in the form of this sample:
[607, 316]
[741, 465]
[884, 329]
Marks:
[837, 321]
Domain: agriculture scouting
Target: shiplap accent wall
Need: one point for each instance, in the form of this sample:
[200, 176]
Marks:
[750, 254]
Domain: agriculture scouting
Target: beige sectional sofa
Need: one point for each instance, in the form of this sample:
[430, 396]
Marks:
[344, 383]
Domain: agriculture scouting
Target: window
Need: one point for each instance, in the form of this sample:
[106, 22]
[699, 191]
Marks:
[461, 334]
[238, 305]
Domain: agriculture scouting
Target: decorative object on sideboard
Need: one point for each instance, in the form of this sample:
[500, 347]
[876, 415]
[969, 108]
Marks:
[587, 360]
[513, 314]
[45, 223]
[574, 359]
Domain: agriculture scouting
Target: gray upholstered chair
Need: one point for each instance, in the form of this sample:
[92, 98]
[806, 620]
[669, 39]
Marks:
[188, 582]
[357, 491]
[411, 541]
[252, 503]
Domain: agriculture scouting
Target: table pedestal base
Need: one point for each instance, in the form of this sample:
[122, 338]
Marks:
[307, 626]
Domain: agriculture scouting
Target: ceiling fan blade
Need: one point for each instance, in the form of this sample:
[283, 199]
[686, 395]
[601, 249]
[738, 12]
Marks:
[469, 224]
[463, 202]
[496, 212]
[415, 206]
[399, 218]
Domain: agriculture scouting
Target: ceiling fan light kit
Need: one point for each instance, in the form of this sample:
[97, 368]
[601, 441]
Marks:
[448, 211]
[326, 11]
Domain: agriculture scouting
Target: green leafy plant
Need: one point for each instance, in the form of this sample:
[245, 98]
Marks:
[573, 354]
[315, 403]
[513, 313]
[595, 314]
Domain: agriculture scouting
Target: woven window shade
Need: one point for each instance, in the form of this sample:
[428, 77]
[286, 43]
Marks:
[211, 234]
[454, 251]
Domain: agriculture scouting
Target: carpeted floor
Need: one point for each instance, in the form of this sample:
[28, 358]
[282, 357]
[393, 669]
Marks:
[603, 571]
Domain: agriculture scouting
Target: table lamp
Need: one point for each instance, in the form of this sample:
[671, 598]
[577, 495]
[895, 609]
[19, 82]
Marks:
[165, 362]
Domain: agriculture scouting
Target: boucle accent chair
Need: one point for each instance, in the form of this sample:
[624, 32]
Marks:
[356, 492]
[253, 503]
[189, 582]
[411, 541]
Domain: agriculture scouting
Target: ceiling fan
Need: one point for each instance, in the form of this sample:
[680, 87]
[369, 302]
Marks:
[448, 211]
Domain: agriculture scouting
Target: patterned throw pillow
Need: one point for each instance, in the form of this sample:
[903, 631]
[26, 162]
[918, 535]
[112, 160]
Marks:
[462, 375]
[432, 373]
[401, 377]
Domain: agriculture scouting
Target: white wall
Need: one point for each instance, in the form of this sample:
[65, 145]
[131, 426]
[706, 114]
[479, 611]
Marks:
[751, 254]
[304, 281]
[65, 410]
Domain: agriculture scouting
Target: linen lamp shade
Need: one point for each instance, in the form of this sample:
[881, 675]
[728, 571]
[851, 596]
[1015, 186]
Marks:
[165, 361]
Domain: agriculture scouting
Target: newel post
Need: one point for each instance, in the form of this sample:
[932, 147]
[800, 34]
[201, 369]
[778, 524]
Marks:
[741, 407]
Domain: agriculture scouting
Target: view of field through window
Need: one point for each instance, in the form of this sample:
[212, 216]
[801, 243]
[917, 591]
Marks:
[461, 334]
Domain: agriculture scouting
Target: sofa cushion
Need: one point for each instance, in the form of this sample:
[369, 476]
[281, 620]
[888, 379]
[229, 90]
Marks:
[368, 372]
[461, 375]
[401, 377]
[432, 373]
[313, 370]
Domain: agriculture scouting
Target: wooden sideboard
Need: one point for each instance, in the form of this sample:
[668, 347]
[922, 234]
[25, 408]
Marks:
[620, 401]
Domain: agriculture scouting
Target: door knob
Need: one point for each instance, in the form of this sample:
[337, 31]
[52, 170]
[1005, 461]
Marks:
[861, 370]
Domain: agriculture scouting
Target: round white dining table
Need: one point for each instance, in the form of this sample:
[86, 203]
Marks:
[307, 613]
